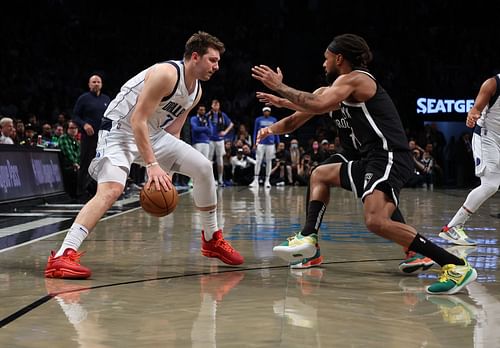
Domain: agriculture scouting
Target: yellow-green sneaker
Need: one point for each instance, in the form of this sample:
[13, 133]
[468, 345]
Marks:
[452, 279]
[297, 247]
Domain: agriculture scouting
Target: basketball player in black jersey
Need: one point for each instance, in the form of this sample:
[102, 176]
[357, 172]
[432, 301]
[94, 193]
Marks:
[385, 157]
[350, 152]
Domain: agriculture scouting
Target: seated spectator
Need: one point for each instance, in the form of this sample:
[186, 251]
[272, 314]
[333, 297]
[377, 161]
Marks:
[6, 127]
[303, 171]
[317, 154]
[70, 158]
[428, 163]
[242, 167]
[29, 138]
[243, 135]
[417, 179]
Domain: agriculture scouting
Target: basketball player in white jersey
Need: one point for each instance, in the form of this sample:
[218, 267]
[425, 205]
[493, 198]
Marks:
[142, 125]
[485, 116]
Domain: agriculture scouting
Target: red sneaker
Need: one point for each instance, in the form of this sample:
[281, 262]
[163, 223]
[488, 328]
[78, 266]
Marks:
[221, 249]
[66, 266]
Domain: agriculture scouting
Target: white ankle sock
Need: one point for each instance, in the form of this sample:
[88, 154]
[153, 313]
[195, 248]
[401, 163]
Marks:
[209, 223]
[76, 234]
[460, 218]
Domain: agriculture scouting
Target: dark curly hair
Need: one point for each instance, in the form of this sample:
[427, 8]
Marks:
[354, 48]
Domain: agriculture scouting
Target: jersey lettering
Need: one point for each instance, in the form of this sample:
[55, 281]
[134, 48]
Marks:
[173, 110]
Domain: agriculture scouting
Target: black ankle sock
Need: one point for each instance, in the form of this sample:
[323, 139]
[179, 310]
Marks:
[314, 217]
[425, 247]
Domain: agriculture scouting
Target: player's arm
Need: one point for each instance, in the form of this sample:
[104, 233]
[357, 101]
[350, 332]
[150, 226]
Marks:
[289, 123]
[160, 81]
[487, 90]
[329, 100]
[228, 129]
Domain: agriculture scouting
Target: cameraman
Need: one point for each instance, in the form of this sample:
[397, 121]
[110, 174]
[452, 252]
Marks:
[243, 167]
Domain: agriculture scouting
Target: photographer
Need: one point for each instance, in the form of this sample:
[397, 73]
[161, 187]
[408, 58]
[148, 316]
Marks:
[243, 167]
[303, 170]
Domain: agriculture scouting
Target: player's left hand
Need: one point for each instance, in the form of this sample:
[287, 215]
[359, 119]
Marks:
[270, 99]
[267, 76]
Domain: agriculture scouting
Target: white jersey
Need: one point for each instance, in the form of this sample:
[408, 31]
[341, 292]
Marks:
[490, 117]
[121, 108]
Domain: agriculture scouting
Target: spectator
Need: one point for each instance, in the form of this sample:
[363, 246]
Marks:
[243, 167]
[70, 158]
[221, 126]
[87, 113]
[201, 130]
[6, 127]
[266, 148]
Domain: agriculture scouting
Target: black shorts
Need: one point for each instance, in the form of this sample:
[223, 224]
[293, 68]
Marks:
[381, 170]
[342, 157]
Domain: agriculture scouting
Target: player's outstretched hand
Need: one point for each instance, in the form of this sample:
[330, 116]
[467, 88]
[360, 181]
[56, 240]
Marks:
[263, 133]
[271, 99]
[267, 76]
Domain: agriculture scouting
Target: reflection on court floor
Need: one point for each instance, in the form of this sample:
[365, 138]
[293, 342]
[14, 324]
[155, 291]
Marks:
[151, 286]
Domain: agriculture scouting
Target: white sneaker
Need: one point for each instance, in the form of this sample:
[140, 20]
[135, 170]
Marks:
[456, 235]
[267, 184]
[255, 183]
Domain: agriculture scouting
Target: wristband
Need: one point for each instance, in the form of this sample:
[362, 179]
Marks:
[149, 165]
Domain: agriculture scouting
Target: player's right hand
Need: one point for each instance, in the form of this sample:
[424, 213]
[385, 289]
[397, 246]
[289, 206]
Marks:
[263, 133]
[158, 177]
[472, 118]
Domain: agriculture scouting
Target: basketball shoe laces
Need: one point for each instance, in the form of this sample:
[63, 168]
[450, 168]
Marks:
[448, 273]
[74, 257]
[223, 244]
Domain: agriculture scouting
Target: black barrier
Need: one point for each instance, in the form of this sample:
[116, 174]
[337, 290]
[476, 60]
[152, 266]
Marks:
[28, 173]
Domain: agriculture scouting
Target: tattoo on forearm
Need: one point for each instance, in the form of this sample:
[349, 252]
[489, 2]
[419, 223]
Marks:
[297, 97]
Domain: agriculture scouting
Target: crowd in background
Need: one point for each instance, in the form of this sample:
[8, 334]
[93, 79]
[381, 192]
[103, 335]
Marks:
[426, 54]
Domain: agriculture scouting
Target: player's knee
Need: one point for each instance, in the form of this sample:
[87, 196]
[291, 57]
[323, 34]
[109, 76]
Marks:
[373, 222]
[110, 193]
[204, 168]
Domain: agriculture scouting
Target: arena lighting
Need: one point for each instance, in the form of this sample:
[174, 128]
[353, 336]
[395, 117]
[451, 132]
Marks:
[443, 106]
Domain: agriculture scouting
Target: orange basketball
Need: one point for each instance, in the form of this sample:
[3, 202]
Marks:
[159, 203]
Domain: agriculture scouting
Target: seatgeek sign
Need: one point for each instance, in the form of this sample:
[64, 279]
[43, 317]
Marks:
[443, 106]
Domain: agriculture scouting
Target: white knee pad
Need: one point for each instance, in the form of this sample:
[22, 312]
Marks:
[489, 186]
[199, 168]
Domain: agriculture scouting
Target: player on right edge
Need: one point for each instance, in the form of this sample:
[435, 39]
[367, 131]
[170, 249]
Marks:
[485, 116]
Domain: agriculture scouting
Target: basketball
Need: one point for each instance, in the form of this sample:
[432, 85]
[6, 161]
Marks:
[159, 203]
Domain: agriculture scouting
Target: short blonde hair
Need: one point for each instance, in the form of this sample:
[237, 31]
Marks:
[5, 120]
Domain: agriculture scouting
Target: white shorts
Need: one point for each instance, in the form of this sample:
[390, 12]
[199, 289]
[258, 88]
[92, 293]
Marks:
[265, 151]
[204, 148]
[218, 148]
[486, 149]
[120, 150]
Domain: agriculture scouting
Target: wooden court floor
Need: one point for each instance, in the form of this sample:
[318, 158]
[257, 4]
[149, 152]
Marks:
[151, 287]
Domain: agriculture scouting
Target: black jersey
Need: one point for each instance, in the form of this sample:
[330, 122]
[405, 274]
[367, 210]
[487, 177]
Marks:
[375, 123]
[350, 145]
